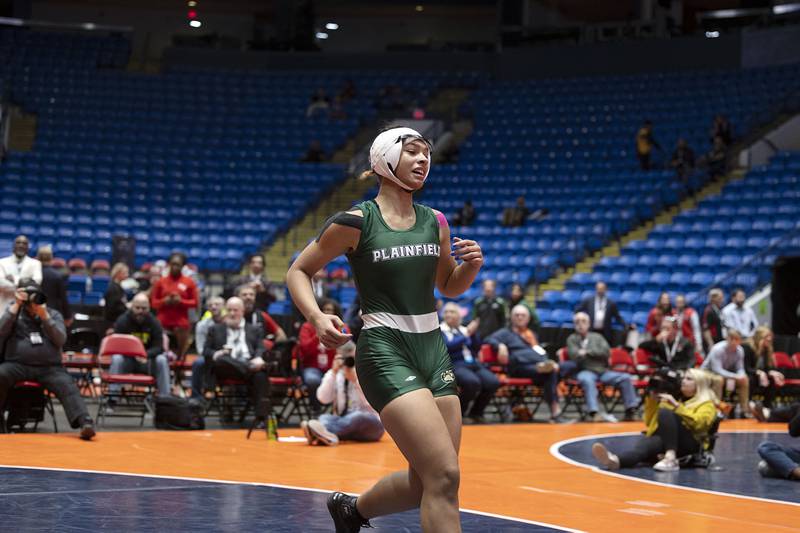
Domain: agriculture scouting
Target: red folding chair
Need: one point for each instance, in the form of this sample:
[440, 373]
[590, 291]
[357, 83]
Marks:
[513, 393]
[620, 360]
[134, 397]
[37, 401]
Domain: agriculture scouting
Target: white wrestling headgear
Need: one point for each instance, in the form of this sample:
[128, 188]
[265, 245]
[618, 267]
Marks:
[384, 155]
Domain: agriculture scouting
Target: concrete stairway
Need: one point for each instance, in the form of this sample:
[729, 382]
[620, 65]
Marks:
[22, 131]
[641, 232]
[281, 251]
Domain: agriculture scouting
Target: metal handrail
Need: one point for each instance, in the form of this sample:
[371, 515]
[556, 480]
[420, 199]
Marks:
[752, 261]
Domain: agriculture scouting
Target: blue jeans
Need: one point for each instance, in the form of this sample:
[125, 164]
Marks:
[781, 459]
[312, 377]
[157, 366]
[548, 381]
[198, 377]
[358, 425]
[620, 380]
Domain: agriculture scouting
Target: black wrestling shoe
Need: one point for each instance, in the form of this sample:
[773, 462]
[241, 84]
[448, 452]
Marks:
[344, 513]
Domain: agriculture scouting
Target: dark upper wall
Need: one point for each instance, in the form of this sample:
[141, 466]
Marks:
[556, 61]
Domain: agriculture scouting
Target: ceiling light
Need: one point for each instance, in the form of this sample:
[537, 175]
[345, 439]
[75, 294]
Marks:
[195, 23]
[712, 34]
[420, 8]
[322, 35]
[331, 26]
[192, 3]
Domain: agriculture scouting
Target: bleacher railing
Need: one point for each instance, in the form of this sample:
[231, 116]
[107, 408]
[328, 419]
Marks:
[759, 265]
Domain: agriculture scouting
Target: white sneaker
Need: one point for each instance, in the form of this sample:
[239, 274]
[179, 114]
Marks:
[323, 436]
[667, 465]
[605, 417]
[306, 432]
[605, 457]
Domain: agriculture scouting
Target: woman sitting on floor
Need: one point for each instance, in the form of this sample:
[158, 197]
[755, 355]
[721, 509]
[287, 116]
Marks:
[674, 428]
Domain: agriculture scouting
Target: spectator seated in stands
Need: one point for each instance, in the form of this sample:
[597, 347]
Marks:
[476, 383]
[116, 300]
[688, 323]
[588, 354]
[682, 160]
[780, 415]
[716, 160]
[675, 427]
[711, 322]
[657, 314]
[256, 278]
[139, 322]
[602, 312]
[669, 348]
[779, 460]
[234, 351]
[736, 316]
[466, 215]
[352, 417]
[759, 364]
[337, 110]
[645, 142]
[215, 315]
[272, 332]
[18, 265]
[318, 105]
[721, 128]
[518, 348]
[33, 336]
[315, 358]
[172, 297]
[348, 91]
[54, 285]
[725, 363]
[314, 154]
[489, 310]
[515, 216]
[517, 297]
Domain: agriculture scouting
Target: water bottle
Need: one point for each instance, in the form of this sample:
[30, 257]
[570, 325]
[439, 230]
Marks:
[272, 427]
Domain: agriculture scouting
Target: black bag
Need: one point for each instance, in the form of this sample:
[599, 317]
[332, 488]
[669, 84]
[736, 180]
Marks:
[179, 414]
[25, 405]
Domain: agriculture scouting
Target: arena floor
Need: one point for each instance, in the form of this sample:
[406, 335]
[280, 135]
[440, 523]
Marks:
[516, 477]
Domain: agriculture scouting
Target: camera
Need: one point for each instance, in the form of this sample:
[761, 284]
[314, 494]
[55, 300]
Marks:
[350, 361]
[35, 295]
[665, 381]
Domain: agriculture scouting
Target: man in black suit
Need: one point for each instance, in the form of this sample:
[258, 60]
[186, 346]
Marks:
[54, 285]
[234, 350]
[602, 312]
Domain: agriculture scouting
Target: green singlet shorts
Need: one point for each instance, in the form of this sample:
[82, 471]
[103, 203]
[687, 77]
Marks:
[390, 363]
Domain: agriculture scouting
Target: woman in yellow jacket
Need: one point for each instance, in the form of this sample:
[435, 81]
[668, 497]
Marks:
[674, 428]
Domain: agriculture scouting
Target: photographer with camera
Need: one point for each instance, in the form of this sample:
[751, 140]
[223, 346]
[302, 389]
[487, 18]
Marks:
[669, 348]
[675, 427]
[32, 336]
[352, 418]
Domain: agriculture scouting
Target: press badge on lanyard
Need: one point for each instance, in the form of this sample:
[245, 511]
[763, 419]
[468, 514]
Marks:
[36, 338]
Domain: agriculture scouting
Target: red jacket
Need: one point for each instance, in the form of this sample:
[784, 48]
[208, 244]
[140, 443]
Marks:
[308, 349]
[654, 320]
[175, 315]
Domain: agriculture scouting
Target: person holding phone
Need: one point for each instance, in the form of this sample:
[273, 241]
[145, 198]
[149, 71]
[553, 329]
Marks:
[352, 417]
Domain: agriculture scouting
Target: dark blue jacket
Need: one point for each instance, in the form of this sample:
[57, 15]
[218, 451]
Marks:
[519, 351]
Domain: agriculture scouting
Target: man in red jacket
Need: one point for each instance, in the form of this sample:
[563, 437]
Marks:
[172, 297]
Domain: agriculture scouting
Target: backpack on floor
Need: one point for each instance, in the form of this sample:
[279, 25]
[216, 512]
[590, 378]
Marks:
[179, 414]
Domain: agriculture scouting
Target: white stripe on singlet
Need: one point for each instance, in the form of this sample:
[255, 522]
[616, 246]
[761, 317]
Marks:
[406, 323]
